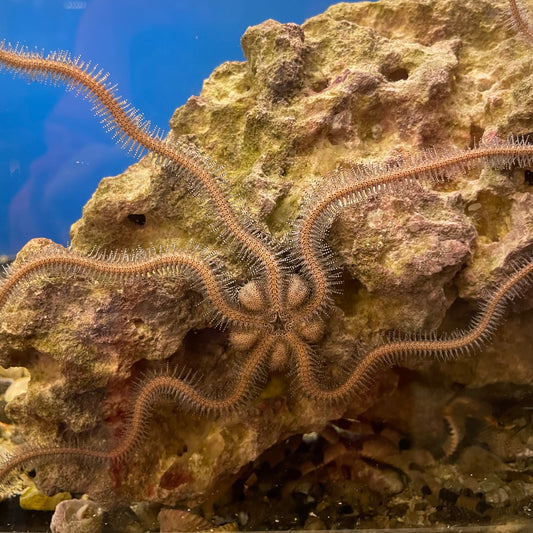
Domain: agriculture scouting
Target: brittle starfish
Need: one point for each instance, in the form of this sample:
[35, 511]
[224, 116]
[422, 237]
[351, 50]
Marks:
[280, 313]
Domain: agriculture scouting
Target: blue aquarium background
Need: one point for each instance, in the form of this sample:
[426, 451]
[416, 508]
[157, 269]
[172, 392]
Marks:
[53, 151]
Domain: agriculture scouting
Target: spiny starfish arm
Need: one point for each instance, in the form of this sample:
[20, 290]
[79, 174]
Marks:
[519, 22]
[29, 455]
[446, 346]
[184, 391]
[123, 267]
[128, 125]
[179, 388]
[347, 187]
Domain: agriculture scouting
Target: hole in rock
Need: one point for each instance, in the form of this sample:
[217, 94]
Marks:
[140, 220]
[204, 340]
[476, 134]
[526, 137]
[204, 351]
[397, 74]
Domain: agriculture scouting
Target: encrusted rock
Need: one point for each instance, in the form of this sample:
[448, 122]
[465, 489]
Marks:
[77, 516]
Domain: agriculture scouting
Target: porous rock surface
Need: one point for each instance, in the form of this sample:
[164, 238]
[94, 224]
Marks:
[77, 516]
[360, 83]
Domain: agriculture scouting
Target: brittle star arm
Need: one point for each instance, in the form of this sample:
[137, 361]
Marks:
[151, 390]
[348, 187]
[519, 22]
[388, 354]
[126, 123]
[123, 267]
